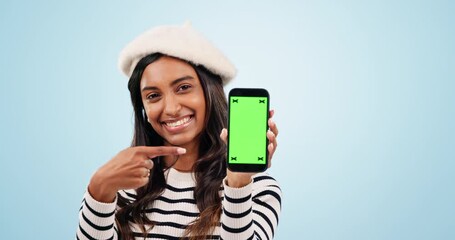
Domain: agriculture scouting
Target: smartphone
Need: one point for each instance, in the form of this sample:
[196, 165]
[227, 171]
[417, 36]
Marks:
[247, 130]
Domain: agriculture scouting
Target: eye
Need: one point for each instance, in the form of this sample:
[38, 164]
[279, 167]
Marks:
[183, 87]
[152, 96]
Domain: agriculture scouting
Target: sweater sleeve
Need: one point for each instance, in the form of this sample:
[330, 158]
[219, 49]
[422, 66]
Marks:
[251, 212]
[96, 219]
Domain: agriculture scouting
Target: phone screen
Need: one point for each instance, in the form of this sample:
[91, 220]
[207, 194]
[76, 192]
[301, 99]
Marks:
[247, 139]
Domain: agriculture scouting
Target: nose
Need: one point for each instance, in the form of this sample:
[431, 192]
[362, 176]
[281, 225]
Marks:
[171, 106]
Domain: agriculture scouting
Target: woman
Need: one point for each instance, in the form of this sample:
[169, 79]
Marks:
[173, 182]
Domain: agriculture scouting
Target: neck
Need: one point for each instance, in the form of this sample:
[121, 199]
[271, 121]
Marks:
[185, 162]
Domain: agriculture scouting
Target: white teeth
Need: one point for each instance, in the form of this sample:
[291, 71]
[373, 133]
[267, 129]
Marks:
[178, 123]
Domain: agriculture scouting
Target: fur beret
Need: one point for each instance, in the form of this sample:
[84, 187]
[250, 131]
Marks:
[182, 42]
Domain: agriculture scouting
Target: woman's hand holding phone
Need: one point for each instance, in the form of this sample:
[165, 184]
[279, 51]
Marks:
[129, 169]
[241, 179]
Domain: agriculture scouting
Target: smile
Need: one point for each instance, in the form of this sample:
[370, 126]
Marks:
[178, 124]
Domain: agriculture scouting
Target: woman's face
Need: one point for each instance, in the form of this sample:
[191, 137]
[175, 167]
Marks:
[173, 100]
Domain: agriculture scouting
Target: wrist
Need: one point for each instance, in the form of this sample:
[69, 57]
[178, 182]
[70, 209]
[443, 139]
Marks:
[238, 180]
[100, 190]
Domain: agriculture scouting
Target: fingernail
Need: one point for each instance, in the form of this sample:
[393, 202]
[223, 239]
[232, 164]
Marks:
[181, 150]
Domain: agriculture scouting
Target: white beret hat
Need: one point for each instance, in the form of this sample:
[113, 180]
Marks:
[177, 41]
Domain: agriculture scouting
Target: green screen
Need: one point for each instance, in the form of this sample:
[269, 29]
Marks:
[247, 130]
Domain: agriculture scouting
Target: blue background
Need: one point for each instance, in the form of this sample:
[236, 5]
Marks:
[363, 92]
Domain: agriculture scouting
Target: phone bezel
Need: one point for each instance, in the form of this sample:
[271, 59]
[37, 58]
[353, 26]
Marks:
[248, 92]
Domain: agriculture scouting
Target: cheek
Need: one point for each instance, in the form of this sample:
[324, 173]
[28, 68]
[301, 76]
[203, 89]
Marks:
[152, 113]
[199, 104]
[153, 120]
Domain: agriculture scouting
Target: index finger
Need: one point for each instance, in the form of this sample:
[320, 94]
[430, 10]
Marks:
[153, 152]
[271, 113]
[273, 127]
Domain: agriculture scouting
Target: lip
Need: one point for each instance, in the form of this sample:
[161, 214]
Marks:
[178, 128]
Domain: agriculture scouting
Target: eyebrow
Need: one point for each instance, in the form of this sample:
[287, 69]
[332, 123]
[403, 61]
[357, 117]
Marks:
[176, 81]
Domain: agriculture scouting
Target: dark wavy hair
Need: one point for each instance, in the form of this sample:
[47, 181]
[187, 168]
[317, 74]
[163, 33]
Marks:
[209, 168]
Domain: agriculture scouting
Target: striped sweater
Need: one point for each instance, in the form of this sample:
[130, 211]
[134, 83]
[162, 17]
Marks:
[250, 212]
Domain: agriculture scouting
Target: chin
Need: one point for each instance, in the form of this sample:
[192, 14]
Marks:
[179, 140]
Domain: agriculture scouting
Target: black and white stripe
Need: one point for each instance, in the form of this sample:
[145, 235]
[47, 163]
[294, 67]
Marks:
[251, 212]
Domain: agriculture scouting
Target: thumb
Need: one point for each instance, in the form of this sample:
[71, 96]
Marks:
[223, 135]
